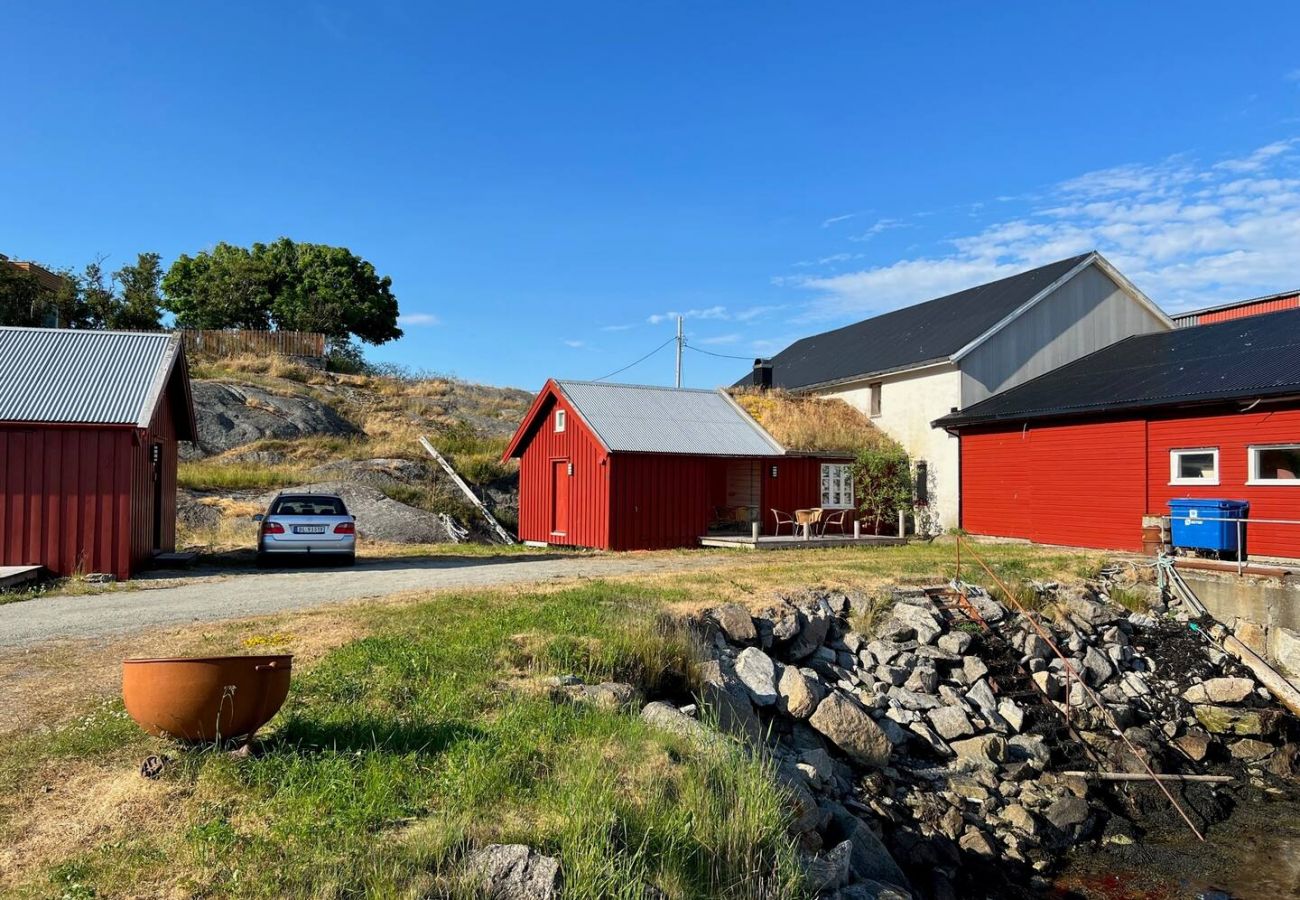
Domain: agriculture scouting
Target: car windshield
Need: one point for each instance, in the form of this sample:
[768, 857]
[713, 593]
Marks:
[308, 506]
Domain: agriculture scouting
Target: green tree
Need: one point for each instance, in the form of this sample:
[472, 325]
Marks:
[882, 478]
[295, 287]
[22, 300]
[139, 307]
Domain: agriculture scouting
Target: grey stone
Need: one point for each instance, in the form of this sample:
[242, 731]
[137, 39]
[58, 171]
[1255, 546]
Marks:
[977, 842]
[830, 870]
[812, 634]
[734, 621]
[914, 700]
[757, 673]
[974, 669]
[1011, 713]
[892, 675]
[798, 693]
[1067, 813]
[514, 872]
[950, 722]
[230, 415]
[728, 698]
[1286, 649]
[981, 695]
[1250, 749]
[1220, 690]
[930, 736]
[1097, 666]
[923, 622]
[852, 729]
[1034, 647]
[923, 680]
[984, 748]
[1021, 819]
[612, 695]
[667, 717]
[957, 642]
[1049, 684]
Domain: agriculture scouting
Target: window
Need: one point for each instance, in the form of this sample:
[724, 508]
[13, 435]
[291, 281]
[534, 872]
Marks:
[308, 505]
[1200, 466]
[875, 399]
[1277, 464]
[837, 486]
[559, 420]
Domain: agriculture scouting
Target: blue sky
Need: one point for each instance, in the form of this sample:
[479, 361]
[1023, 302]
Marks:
[547, 183]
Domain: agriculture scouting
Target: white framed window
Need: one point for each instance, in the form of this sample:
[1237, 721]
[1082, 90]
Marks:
[559, 420]
[1275, 464]
[875, 399]
[1198, 465]
[837, 486]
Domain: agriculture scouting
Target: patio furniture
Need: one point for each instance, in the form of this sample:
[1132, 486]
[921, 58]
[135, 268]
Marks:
[808, 519]
[840, 519]
[783, 518]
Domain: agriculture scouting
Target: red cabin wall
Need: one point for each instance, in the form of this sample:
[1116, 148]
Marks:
[588, 488]
[1089, 484]
[66, 498]
[658, 501]
[797, 485]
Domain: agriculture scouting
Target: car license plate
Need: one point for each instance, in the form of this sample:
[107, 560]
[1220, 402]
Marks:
[309, 529]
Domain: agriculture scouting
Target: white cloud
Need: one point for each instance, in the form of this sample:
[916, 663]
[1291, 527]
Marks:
[827, 223]
[575, 344]
[719, 339]
[1187, 233]
[617, 327]
[881, 225]
[713, 312]
[415, 320]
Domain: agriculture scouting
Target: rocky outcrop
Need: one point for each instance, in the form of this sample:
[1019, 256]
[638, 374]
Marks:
[380, 518]
[232, 415]
[513, 872]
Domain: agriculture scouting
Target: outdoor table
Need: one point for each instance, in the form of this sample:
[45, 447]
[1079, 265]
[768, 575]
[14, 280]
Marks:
[807, 518]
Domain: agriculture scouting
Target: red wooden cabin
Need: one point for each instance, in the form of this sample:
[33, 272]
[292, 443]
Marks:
[1080, 455]
[89, 422]
[625, 467]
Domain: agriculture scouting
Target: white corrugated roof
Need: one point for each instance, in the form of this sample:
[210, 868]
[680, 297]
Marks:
[92, 377]
[638, 419]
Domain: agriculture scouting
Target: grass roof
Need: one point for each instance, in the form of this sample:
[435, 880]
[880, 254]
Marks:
[802, 422]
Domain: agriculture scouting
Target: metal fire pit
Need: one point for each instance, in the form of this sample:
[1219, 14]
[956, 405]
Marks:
[213, 699]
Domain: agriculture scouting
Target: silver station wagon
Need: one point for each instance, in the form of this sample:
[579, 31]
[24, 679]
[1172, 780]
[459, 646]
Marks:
[307, 525]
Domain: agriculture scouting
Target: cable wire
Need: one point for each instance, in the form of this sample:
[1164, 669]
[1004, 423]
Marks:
[719, 355]
[639, 361]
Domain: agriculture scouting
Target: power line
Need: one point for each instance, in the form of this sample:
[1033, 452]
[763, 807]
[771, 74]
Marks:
[639, 361]
[719, 355]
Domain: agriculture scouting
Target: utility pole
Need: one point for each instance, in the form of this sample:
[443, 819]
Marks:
[681, 342]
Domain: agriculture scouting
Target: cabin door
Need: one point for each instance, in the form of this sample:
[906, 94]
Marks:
[156, 473]
[559, 497]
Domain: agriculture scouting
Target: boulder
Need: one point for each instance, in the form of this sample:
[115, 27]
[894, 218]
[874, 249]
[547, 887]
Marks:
[950, 722]
[735, 623]
[1049, 684]
[830, 870]
[1011, 713]
[977, 842]
[798, 692]
[1286, 650]
[230, 415]
[611, 695]
[1250, 749]
[1067, 813]
[974, 669]
[922, 622]
[1234, 720]
[1021, 819]
[1084, 607]
[1194, 744]
[757, 673]
[1220, 690]
[852, 729]
[667, 717]
[986, 748]
[1097, 667]
[513, 872]
[1030, 748]
[956, 642]
[728, 698]
[813, 628]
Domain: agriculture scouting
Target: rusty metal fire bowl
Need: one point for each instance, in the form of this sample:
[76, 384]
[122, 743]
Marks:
[205, 699]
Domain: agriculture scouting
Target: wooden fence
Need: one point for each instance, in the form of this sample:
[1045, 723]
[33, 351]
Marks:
[220, 344]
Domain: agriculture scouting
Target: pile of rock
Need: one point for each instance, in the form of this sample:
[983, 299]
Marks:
[930, 742]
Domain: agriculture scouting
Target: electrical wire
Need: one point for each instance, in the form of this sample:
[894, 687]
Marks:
[639, 361]
[719, 355]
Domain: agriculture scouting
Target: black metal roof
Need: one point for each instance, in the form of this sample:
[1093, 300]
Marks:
[1241, 359]
[912, 336]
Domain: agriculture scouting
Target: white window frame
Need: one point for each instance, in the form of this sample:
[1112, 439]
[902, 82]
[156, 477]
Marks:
[875, 399]
[1252, 466]
[844, 472]
[561, 420]
[1178, 452]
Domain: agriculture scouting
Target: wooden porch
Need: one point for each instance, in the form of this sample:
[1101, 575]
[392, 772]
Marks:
[798, 542]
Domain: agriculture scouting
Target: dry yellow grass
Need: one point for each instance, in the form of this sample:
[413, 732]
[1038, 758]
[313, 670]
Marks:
[810, 423]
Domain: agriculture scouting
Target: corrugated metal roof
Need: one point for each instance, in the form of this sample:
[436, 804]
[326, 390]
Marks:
[638, 419]
[924, 333]
[1241, 359]
[92, 377]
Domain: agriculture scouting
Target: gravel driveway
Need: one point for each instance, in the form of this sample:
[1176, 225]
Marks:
[230, 596]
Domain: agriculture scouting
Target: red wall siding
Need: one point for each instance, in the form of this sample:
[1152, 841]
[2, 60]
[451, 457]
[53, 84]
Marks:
[1088, 485]
[659, 501]
[1232, 434]
[1250, 309]
[65, 498]
[996, 493]
[588, 489]
[797, 485]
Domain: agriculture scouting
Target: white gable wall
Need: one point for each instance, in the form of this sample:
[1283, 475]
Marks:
[909, 402]
[1085, 314]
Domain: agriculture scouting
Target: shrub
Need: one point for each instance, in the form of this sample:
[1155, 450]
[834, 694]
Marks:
[882, 477]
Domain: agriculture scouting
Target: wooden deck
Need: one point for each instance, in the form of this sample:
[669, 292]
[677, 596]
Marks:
[786, 542]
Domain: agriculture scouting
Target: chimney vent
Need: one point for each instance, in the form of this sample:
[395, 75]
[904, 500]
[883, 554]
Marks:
[762, 373]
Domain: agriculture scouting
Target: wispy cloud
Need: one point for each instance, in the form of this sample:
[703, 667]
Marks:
[713, 312]
[576, 345]
[880, 226]
[719, 339]
[827, 223]
[617, 327]
[1188, 233]
[417, 320]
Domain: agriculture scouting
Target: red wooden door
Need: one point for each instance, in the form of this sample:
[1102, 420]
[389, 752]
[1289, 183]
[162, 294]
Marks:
[559, 496]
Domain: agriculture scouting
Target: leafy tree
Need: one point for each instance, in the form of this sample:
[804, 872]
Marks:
[138, 309]
[22, 299]
[295, 287]
[882, 477]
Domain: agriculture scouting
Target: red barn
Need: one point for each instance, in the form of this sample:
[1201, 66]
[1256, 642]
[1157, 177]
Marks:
[1078, 456]
[89, 422]
[625, 467]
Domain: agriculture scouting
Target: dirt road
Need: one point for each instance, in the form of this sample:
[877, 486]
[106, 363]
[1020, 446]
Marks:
[213, 597]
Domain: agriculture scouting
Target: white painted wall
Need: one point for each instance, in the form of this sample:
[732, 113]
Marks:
[909, 402]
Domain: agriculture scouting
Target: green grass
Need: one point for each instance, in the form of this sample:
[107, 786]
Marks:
[216, 475]
[398, 752]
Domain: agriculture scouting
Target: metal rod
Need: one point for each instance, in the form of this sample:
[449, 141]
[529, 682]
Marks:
[679, 351]
[1101, 707]
[1240, 555]
[1142, 776]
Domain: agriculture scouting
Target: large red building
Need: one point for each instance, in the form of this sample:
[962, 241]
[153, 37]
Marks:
[624, 467]
[1080, 455]
[89, 422]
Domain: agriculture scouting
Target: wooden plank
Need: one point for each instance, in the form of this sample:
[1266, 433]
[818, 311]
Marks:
[473, 498]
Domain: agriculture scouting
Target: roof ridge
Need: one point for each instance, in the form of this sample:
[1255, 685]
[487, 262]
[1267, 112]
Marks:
[643, 387]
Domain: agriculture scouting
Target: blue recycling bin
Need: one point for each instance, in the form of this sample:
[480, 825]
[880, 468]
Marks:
[1197, 524]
